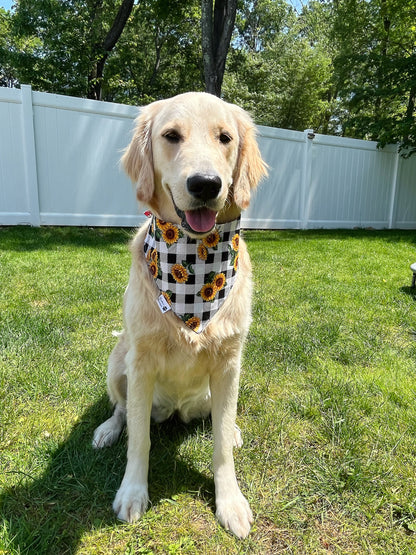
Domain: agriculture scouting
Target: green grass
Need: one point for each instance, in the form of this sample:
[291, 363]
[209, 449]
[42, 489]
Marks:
[327, 401]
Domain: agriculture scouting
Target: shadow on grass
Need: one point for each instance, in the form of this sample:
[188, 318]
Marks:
[50, 514]
[408, 290]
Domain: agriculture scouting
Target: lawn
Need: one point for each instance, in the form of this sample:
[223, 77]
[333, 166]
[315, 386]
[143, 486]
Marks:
[327, 401]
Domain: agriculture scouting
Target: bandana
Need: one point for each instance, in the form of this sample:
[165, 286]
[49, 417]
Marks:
[194, 276]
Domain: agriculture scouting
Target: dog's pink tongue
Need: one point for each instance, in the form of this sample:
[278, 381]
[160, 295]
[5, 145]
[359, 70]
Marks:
[201, 220]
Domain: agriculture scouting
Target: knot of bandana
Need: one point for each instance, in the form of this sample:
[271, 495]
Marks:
[194, 276]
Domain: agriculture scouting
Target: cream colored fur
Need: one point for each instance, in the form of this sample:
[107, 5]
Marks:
[159, 365]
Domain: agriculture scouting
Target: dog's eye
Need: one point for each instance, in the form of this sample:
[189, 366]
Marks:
[225, 138]
[172, 136]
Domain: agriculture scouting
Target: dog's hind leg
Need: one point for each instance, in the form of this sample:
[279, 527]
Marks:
[109, 431]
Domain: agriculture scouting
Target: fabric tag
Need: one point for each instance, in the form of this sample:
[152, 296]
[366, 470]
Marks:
[163, 304]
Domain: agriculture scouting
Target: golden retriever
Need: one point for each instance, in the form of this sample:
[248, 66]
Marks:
[195, 161]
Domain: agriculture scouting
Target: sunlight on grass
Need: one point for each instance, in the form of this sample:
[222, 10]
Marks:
[327, 401]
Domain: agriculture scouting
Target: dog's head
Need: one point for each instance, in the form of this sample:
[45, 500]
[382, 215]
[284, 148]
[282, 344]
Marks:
[194, 160]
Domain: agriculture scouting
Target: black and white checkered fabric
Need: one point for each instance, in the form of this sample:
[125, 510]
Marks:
[194, 276]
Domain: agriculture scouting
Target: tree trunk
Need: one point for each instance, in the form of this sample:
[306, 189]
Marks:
[410, 110]
[217, 30]
[410, 118]
[158, 49]
[381, 65]
[102, 50]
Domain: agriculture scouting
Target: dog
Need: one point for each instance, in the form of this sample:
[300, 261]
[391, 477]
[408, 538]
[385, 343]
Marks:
[195, 162]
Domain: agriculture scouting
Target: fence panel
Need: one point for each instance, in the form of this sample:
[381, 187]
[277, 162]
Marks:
[405, 204]
[277, 202]
[351, 183]
[78, 148]
[59, 165]
[14, 200]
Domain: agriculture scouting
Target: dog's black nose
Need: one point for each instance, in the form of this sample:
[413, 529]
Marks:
[204, 187]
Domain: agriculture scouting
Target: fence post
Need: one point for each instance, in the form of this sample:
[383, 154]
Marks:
[393, 194]
[29, 155]
[309, 135]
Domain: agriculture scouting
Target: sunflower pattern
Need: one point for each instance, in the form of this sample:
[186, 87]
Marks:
[179, 273]
[235, 241]
[162, 225]
[208, 292]
[202, 252]
[192, 322]
[169, 233]
[219, 281]
[193, 275]
[215, 282]
[211, 240]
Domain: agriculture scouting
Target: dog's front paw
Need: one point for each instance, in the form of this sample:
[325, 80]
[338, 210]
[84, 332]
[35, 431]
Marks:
[234, 513]
[131, 502]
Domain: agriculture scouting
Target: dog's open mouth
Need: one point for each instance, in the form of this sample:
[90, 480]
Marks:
[201, 220]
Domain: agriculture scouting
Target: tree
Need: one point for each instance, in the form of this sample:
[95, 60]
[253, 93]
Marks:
[105, 44]
[345, 67]
[376, 69]
[9, 47]
[6, 72]
[216, 28]
[74, 39]
[158, 55]
[276, 71]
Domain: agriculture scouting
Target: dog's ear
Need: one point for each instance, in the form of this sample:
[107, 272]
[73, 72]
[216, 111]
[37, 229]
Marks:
[250, 165]
[137, 159]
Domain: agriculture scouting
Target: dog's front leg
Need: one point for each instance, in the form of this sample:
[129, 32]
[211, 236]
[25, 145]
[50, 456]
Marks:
[233, 510]
[132, 497]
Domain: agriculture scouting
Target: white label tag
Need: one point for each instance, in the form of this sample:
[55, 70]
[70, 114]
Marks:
[163, 304]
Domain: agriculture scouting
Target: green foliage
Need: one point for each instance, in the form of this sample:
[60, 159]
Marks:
[6, 78]
[376, 69]
[344, 67]
[276, 71]
[65, 33]
[10, 46]
[158, 55]
[285, 85]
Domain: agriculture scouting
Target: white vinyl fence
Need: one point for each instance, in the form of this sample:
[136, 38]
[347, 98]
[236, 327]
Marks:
[59, 165]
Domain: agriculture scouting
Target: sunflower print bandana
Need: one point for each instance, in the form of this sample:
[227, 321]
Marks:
[194, 276]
